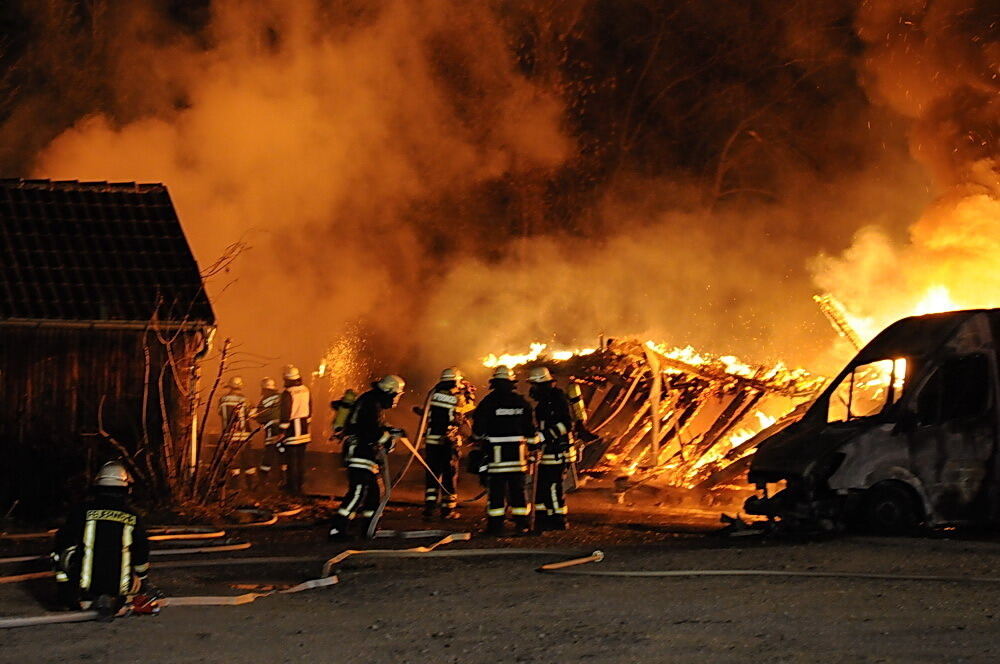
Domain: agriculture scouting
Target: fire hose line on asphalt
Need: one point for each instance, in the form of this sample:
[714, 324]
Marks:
[557, 568]
[326, 580]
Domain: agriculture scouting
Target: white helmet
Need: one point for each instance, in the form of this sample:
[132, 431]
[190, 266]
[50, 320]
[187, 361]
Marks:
[291, 372]
[235, 383]
[503, 372]
[451, 373]
[540, 375]
[391, 384]
[268, 384]
[112, 473]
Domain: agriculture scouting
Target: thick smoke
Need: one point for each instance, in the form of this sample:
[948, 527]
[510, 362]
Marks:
[318, 148]
[455, 178]
[937, 64]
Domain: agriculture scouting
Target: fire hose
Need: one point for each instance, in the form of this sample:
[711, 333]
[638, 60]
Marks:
[328, 578]
[557, 568]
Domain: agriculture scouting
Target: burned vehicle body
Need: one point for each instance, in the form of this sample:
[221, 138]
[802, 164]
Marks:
[906, 434]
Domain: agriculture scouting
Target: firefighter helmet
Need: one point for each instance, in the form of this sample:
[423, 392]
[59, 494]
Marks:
[291, 372]
[112, 473]
[503, 372]
[540, 375]
[235, 383]
[451, 374]
[268, 384]
[391, 384]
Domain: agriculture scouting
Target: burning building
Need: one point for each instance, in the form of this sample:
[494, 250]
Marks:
[103, 317]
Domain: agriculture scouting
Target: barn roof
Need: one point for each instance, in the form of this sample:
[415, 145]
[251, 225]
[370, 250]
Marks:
[97, 253]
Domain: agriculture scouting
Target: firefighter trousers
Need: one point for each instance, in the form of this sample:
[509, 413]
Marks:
[443, 460]
[549, 492]
[362, 497]
[506, 489]
[295, 457]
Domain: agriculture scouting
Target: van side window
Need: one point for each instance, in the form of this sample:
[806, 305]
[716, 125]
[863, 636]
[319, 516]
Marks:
[868, 390]
[959, 389]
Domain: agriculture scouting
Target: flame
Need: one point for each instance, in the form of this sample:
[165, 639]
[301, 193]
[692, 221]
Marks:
[937, 299]
[538, 350]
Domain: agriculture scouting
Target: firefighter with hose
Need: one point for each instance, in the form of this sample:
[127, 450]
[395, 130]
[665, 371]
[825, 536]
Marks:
[367, 438]
[555, 424]
[102, 553]
[503, 427]
[450, 400]
[294, 416]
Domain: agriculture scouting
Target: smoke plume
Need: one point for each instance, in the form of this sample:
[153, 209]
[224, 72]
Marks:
[447, 179]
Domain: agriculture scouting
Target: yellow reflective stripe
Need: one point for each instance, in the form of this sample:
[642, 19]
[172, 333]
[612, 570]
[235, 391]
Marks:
[520, 511]
[495, 511]
[62, 577]
[142, 569]
[89, 534]
[126, 578]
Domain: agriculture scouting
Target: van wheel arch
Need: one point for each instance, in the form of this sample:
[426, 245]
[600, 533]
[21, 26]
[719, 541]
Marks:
[892, 507]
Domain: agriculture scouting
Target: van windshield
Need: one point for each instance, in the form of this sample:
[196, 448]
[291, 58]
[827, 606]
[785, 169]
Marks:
[868, 390]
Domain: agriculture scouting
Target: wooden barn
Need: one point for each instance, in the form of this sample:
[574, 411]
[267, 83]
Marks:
[103, 320]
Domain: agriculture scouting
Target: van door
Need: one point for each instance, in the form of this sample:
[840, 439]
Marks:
[953, 438]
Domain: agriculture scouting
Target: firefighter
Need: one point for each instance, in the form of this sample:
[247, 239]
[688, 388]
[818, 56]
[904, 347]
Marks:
[504, 427]
[267, 414]
[234, 411]
[102, 553]
[450, 400]
[555, 423]
[294, 415]
[367, 437]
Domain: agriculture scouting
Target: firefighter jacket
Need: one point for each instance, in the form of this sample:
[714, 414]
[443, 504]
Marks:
[366, 431]
[555, 422]
[447, 405]
[102, 545]
[235, 418]
[504, 423]
[294, 415]
[268, 414]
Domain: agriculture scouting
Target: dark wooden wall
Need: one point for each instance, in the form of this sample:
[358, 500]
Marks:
[52, 382]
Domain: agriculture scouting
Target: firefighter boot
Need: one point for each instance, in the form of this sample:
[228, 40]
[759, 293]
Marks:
[428, 513]
[107, 607]
[449, 513]
[541, 522]
[494, 526]
[339, 529]
[521, 525]
[557, 522]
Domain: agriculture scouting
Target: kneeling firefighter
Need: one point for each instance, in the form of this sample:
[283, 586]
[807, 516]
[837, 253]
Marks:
[102, 553]
[367, 438]
[504, 427]
[450, 400]
[555, 422]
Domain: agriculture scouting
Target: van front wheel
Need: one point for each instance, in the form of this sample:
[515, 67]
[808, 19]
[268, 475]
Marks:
[891, 509]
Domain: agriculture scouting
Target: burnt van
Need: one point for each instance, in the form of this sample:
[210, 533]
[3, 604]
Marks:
[905, 435]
